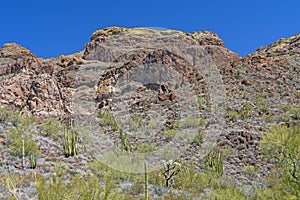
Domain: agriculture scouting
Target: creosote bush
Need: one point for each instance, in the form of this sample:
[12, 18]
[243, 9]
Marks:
[52, 128]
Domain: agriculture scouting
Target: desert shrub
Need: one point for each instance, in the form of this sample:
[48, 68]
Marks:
[261, 104]
[145, 148]
[191, 122]
[107, 119]
[246, 111]
[284, 117]
[51, 128]
[224, 193]
[250, 170]
[170, 134]
[232, 115]
[19, 120]
[268, 118]
[11, 183]
[295, 113]
[135, 123]
[15, 142]
[4, 114]
[198, 139]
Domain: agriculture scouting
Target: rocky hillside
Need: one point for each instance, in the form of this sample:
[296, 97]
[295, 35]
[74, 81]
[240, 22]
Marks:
[164, 89]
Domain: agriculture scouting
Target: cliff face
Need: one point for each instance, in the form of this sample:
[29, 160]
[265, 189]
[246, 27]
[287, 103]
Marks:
[26, 80]
[139, 71]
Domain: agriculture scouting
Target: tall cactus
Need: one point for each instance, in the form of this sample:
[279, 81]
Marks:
[32, 161]
[70, 141]
[146, 183]
[23, 151]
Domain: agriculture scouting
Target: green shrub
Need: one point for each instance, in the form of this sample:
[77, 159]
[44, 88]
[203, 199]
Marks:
[19, 120]
[227, 193]
[295, 113]
[78, 188]
[246, 111]
[250, 170]
[268, 118]
[145, 148]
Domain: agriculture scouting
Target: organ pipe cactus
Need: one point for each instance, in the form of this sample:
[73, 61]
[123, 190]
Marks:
[70, 142]
[214, 161]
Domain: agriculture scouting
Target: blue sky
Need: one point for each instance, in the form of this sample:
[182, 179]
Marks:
[54, 27]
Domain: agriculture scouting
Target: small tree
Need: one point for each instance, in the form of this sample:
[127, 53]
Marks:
[171, 169]
[282, 145]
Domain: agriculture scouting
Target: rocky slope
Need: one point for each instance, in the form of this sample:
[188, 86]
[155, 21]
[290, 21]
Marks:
[156, 77]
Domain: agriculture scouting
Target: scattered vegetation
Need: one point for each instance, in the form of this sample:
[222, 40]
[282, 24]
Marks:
[107, 119]
[246, 111]
[78, 187]
[279, 146]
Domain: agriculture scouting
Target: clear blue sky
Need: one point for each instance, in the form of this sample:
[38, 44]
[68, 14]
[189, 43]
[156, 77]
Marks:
[54, 27]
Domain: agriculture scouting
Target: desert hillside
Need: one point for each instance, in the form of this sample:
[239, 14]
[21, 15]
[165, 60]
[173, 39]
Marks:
[171, 113]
